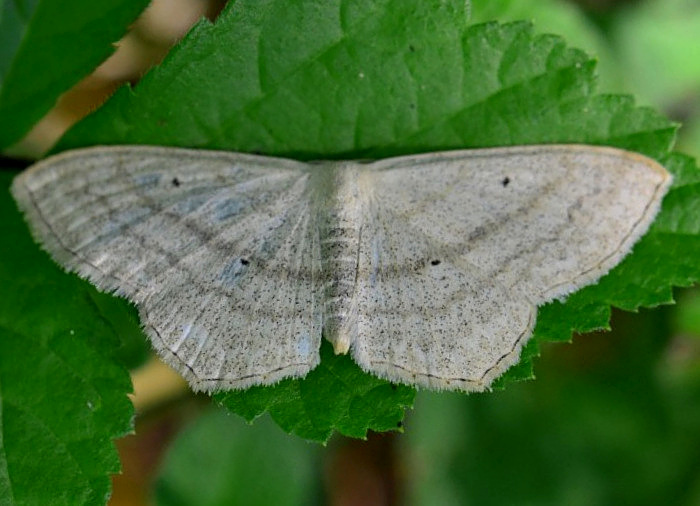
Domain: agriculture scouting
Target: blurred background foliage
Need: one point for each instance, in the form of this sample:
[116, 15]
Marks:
[613, 418]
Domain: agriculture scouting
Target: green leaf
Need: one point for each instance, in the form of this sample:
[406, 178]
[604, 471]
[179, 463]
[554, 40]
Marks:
[368, 79]
[132, 350]
[555, 16]
[334, 396]
[46, 46]
[220, 460]
[62, 394]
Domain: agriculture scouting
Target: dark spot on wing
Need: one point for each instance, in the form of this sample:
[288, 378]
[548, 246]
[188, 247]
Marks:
[435, 262]
[505, 181]
[233, 271]
[176, 182]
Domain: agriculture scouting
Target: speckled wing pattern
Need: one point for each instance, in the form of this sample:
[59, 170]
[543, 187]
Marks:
[217, 250]
[459, 249]
[428, 268]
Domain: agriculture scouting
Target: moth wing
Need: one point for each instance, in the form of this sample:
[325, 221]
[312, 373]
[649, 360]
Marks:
[218, 251]
[458, 249]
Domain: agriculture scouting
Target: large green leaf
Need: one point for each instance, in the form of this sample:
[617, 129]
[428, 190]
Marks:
[46, 46]
[62, 392]
[330, 79]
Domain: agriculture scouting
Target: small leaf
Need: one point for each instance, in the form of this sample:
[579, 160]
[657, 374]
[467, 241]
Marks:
[46, 46]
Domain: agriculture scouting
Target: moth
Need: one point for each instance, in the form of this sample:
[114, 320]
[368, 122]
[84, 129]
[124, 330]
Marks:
[428, 269]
